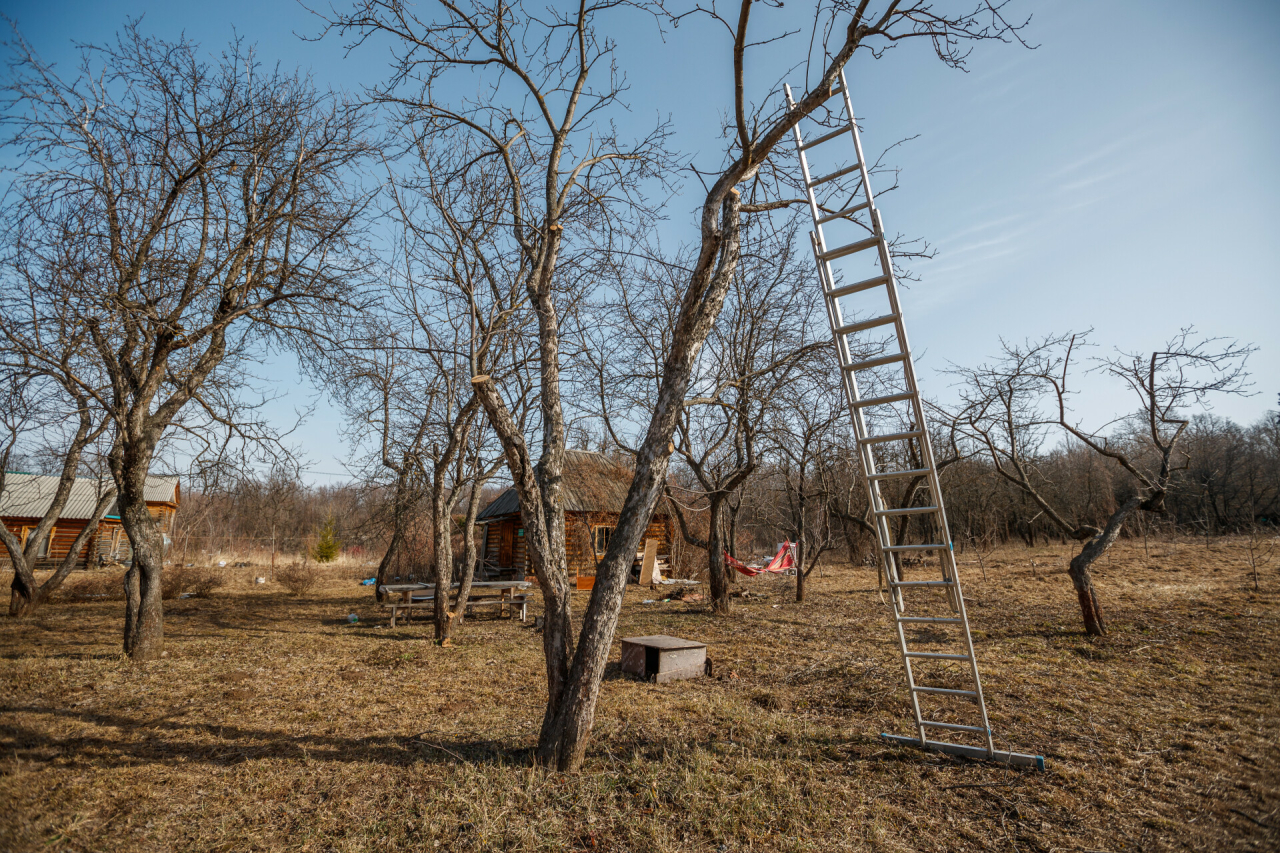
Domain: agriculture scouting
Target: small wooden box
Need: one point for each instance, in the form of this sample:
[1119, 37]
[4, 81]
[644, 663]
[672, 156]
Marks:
[660, 659]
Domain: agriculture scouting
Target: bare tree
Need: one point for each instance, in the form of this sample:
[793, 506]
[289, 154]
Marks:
[581, 170]
[38, 404]
[803, 476]
[759, 347]
[452, 304]
[214, 205]
[1012, 407]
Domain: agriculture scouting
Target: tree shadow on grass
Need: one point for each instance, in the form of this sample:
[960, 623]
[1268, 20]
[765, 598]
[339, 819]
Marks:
[166, 740]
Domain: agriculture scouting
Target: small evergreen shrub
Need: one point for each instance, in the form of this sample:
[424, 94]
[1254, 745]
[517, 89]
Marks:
[328, 546]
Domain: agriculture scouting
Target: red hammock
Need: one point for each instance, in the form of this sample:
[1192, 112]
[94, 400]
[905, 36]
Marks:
[783, 560]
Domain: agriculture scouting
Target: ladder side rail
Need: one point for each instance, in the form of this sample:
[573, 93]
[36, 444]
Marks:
[848, 380]
[883, 526]
[835, 320]
[850, 383]
[947, 557]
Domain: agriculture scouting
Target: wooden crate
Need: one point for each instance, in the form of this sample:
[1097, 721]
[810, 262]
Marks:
[661, 658]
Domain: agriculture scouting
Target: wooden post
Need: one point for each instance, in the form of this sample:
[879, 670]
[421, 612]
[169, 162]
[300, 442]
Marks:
[650, 557]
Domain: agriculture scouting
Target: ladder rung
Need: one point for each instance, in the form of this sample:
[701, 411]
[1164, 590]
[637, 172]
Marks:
[914, 548]
[922, 583]
[880, 401]
[876, 362]
[849, 289]
[911, 510]
[890, 475]
[893, 436]
[848, 211]
[955, 727]
[826, 137]
[936, 656]
[863, 325]
[944, 691]
[931, 619]
[840, 174]
[836, 91]
[851, 249]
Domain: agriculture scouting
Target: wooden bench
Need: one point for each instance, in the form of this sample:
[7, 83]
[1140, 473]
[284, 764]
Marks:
[521, 601]
[395, 607]
[428, 600]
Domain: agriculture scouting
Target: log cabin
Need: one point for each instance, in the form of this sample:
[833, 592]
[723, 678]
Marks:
[26, 498]
[594, 488]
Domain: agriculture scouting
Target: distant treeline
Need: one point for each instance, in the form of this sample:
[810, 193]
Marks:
[1228, 482]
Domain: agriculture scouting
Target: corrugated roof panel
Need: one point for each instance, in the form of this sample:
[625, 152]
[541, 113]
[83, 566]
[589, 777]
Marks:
[29, 495]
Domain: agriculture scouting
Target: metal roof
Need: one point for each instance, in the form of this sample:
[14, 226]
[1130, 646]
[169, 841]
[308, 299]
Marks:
[29, 495]
[592, 483]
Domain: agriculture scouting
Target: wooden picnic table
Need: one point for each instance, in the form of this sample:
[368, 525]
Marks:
[500, 594]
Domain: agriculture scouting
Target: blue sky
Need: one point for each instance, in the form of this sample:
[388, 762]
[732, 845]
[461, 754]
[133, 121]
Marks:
[1122, 176]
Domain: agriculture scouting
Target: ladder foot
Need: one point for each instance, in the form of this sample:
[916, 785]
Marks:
[1016, 759]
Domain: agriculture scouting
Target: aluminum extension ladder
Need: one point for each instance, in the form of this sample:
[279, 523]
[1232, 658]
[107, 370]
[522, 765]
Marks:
[914, 457]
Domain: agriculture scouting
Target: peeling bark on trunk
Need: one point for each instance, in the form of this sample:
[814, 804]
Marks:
[548, 566]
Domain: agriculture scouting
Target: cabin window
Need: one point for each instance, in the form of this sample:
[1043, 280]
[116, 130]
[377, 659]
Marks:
[600, 539]
[44, 546]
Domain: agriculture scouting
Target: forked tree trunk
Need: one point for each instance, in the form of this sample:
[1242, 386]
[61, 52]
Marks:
[25, 594]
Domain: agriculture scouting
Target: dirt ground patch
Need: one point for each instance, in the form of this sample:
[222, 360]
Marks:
[274, 723]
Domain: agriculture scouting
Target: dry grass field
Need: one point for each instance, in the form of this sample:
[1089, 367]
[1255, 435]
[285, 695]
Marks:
[274, 724]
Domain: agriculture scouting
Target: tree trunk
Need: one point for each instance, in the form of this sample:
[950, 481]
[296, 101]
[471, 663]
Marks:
[470, 556]
[1082, 579]
[716, 568]
[801, 574]
[388, 560]
[443, 547]
[144, 614]
[21, 592]
[549, 565]
[144, 607]
[800, 550]
[732, 537]
[1090, 609]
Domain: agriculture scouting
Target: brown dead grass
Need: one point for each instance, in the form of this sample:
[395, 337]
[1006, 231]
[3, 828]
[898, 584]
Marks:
[273, 724]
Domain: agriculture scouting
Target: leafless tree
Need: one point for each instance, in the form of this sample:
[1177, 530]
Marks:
[1012, 407]
[755, 354]
[452, 305]
[802, 480]
[214, 207]
[537, 104]
[40, 404]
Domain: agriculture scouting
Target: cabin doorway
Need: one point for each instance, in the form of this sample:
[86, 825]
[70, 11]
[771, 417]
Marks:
[506, 544]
